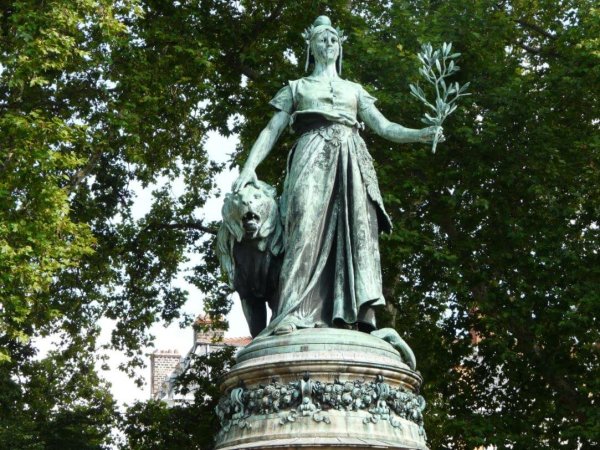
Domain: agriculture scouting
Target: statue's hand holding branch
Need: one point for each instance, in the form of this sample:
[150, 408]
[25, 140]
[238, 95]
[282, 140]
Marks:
[431, 134]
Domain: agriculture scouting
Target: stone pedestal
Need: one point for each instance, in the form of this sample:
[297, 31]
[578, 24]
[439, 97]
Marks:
[321, 389]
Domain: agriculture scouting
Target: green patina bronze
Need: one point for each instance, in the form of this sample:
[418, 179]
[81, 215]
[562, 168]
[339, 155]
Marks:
[331, 207]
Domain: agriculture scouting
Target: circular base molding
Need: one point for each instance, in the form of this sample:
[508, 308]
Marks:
[321, 388]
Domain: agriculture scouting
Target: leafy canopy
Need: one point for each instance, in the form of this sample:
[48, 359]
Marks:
[496, 235]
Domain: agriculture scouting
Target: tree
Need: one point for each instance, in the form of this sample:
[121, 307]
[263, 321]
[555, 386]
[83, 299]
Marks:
[496, 235]
[188, 425]
[51, 59]
[81, 119]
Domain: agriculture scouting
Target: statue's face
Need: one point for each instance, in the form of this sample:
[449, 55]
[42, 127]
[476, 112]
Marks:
[325, 47]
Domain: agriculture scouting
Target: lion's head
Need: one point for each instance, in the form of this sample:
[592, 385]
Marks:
[252, 213]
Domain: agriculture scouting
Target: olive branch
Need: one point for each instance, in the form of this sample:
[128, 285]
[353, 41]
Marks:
[436, 66]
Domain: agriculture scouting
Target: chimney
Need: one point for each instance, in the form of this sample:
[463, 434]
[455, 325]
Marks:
[203, 334]
[162, 364]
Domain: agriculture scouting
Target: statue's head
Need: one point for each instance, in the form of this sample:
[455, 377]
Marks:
[323, 42]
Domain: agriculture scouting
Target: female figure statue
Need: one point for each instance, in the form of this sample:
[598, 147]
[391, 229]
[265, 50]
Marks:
[331, 206]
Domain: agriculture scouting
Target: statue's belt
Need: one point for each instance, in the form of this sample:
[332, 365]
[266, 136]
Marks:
[313, 122]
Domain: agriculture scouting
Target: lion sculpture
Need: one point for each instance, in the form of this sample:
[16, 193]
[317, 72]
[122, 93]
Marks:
[250, 249]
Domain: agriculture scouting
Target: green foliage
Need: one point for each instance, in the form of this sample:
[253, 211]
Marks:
[55, 403]
[190, 425]
[86, 108]
[496, 235]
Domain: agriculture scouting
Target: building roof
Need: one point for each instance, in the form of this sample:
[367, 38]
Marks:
[237, 341]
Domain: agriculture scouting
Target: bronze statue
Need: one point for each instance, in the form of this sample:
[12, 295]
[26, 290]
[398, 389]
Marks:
[331, 207]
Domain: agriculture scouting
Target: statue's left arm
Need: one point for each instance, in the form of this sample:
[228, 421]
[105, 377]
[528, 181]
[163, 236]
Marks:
[393, 131]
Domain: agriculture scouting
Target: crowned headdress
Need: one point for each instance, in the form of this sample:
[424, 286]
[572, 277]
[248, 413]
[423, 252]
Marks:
[323, 23]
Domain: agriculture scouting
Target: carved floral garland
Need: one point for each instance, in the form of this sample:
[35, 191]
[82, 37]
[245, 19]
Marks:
[308, 398]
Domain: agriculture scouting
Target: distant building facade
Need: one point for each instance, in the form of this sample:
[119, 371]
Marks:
[166, 366]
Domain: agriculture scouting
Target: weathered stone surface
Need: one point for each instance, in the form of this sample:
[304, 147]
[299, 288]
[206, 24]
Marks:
[321, 388]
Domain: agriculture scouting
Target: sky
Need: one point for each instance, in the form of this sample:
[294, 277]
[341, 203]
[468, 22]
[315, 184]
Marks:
[173, 337]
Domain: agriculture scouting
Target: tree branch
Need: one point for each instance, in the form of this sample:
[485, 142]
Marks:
[536, 50]
[259, 24]
[82, 173]
[536, 28]
[528, 48]
[249, 72]
[572, 399]
[182, 226]
[6, 161]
